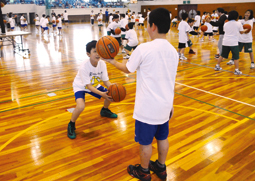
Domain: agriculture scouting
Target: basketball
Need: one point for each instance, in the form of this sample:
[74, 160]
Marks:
[5, 21]
[2, 4]
[137, 20]
[203, 28]
[217, 17]
[57, 21]
[107, 47]
[247, 26]
[53, 21]
[24, 19]
[132, 17]
[117, 92]
[117, 31]
[127, 28]
[15, 16]
[99, 20]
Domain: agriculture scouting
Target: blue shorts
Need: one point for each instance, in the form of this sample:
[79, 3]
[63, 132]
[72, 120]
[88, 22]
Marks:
[37, 25]
[41, 26]
[45, 28]
[81, 94]
[12, 28]
[59, 28]
[23, 25]
[144, 133]
[54, 26]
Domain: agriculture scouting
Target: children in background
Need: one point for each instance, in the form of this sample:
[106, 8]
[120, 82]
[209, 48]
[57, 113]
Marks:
[59, 24]
[41, 21]
[90, 73]
[214, 19]
[132, 43]
[123, 23]
[37, 23]
[141, 20]
[54, 24]
[245, 40]
[183, 36]
[133, 17]
[110, 18]
[192, 32]
[92, 15]
[197, 21]
[203, 17]
[174, 21]
[22, 22]
[156, 64]
[11, 21]
[100, 21]
[45, 24]
[126, 16]
[230, 41]
[209, 30]
[66, 18]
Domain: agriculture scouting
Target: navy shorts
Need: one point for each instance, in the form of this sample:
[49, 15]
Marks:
[12, 28]
[144, 133]
[81, 94]
[59, 28]
[54, 26]
[45, 28]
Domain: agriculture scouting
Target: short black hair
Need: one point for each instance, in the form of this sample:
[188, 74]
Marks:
[47, 16]
[220, 10]
[43, 15]
[149, 8]
[185, 16]
[198, 12]
[110, 14]
[240, 17]
[190, 20]
[213, 11]
[161, 14]
[233, 15]
[204, 12]
[122, 15]
[115, 16]
[225, 12]
[65, 11]
[131, 25]
[91, 45]
[59, 15]
[251, 13]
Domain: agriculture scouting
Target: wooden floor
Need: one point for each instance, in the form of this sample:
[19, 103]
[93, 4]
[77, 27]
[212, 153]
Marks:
[212, 133]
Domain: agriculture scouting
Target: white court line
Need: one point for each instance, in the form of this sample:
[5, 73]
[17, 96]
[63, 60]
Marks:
[216, 94]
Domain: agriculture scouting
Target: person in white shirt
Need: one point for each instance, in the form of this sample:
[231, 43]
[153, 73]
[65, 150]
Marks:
[174, 21]
[126, 16]
[90, 73]
[245, 40]
[22, 22]
[215, 18]
[92, 17]
[37, 22]
[232, 31]
[42, 19]
[192, 32]
[66, 18]
[156, 64]
[209, 30]
[54, 24]
[147, 17]
[197, 21]
[123, 24]
[203, 17]
[133, 17]
[11, 21]
[45, 24]
[99, 21]
[141, 22]
[59, 24]
[183, 35]
[131, 36]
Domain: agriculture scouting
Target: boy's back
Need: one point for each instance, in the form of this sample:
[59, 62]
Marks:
[156, 63]
[112, 26]
[232, 31]
[132, 37]
[183, 29]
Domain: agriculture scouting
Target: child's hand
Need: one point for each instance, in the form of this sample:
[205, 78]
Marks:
[105, 96]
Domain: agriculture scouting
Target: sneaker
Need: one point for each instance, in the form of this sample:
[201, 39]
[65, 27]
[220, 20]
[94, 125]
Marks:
[192, 52]
[238, 72]
[105, 112]
[136, 172]
[126, 57]
[123, 51]
[217, 56]
[230, 62]
[160, 172]
[217, 68]
[71, 131]
[252, 65]
[183, 58]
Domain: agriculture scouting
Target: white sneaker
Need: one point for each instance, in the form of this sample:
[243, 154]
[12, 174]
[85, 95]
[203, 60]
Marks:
[123, 51]
[126, 57]
[183, 58]
[252, 65]
[230, 62]
[217, 68]
[238, 72]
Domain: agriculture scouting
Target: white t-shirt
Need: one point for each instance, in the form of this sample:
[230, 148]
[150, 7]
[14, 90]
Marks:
[92, 16]
[197, 21]
[232, 31]
[156, 63]
[174, 20]
[65, 16]
[112, 26]
[45, 22]
[126, 17]
[88, 74]
[170, 16]
[141, 20]
[123, 23]
[148, 13]
[246, 37]
[42, 19]
[54, 18]
[132, 38]
[59, 23]
[101, 18]
[203, 17]
[110, 19]
[12, 22]
[133, 17]
[183, 30]
[22, 22]
[209, 28]
[37, 21]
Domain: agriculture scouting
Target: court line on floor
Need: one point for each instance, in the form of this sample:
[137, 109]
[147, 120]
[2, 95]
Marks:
[216, 94]
[204, 78]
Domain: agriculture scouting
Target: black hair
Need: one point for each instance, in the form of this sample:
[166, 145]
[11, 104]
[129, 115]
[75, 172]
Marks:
[126, 13]
[115, 16]
[213, 11]
[185, 16]
[110, 14]
[59, 15]
[240, 17]
[43, 15]
[161, 14]
[190, 20]
[149, 8]
[122, 15]
[98, 14]
[91, 45]
[142, 16]
[36, 14]
[220, 10]
[225, 12]
[204, 12]
[175, 17]
[47, 16]
[170, 12]
[198, 12]
[251, 13]
[233, 15]
[131, 25]
[65, 11]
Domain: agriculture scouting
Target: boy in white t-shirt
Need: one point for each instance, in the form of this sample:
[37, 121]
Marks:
[183, 36]
[141, 22]
[54, 24]
[22, 22]
[100, 21]
[131, 36]
[156, 64]
[87, 80]
[11, 20]
[66, 18]
[92, 17]
[45, 24]
[197, 21]
[174, 21]
[37, 22]
[209, 30]
[41, 21]
[232, 31]
[59, 24]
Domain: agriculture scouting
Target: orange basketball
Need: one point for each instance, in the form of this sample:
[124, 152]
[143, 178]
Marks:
[99, 20]
[53, 21]
[247, 26]
[137, 20]
[15, 16]
[204, 28]
[217, 17]
[132, 17]
[117, 31]
[117, 92]
[107, 47]
[57, 21]
[34, 19]
[2, 4]
[5, 21]
[24, 19]
[127, 28]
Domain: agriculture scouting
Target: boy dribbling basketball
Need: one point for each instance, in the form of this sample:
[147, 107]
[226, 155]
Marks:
[156, 63]
[87, 81]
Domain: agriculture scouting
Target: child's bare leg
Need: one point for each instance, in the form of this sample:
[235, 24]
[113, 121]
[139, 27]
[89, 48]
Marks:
[80, 106]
